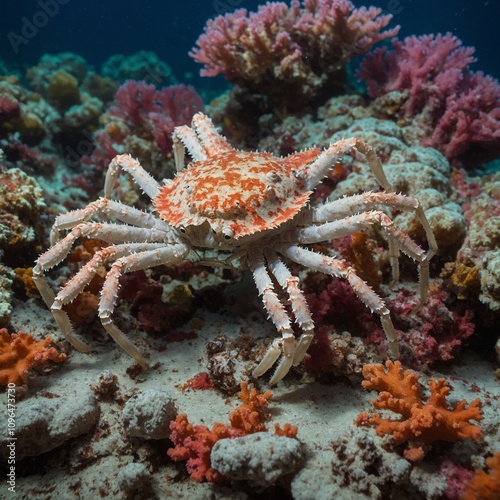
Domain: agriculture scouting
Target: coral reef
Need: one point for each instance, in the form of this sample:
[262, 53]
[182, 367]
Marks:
[476, 267]
[458, 109]
[21, 208]
[156, 311]
[434, 333]
[291, 54]
[20, 353]
[194, 443]
[423, 422]
[7, 276]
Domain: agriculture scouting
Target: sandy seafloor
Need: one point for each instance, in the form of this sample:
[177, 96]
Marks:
[88, 465]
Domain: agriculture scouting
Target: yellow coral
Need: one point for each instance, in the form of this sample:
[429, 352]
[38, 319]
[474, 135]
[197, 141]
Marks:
[20, 352]
[63, 90]
[25, 276]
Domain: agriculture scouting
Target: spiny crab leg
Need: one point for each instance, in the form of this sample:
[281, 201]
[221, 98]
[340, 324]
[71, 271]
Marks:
[363, 222]
[126, 163]
[201, 141]
[352, 205]
[293, 351]
[332, 155]
[279, 316]
[298, 303]
[107, 210]
[339, 269]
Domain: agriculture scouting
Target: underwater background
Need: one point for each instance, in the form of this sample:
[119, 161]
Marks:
[98, 30]
[185, 408]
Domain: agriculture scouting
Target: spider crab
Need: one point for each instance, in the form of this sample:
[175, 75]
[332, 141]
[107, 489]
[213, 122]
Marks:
[254, 206]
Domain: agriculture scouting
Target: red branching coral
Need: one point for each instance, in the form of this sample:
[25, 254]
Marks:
[294, 51]
[193, 443]
[423, 422]
[148, 306]
[9, 109]
[435, 333]
[459, 109]
[485, 485]
[141, 121]
[20, 352]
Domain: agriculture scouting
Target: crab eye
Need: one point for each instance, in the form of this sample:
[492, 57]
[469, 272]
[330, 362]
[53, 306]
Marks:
[227, 233]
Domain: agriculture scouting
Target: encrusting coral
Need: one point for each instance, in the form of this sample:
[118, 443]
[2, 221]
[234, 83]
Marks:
[423, 422]
[20, 352]
[195, 442]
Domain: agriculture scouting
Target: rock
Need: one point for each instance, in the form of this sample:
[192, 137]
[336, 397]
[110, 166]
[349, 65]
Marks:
[44, 424]
[259, 458]
[133, 476]
[148, 415]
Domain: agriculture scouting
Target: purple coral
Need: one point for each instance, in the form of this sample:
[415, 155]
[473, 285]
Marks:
[459, 109]
[295, 51]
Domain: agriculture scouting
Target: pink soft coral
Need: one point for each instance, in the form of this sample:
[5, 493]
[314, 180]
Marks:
[143, 118]
[422, 422]
[193, 443]
[289, 52]
[459, 109]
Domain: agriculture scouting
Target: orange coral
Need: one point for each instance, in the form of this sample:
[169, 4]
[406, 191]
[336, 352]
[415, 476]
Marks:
[194, 443]
[422, 422]
[20, 352]
[485, 486]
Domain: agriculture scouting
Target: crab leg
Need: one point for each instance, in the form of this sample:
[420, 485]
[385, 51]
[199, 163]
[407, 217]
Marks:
[363, 222]
[134, 168]
[356, 204]
[77, 284]
[185, 137]
[107, 209]
[298, 302]
[278, 315]
[109, 294]
[339, 269]
[319, 167]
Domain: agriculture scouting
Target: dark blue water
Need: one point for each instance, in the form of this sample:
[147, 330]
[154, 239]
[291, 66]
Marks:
[99, 29]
